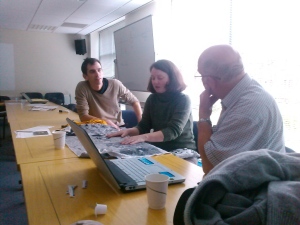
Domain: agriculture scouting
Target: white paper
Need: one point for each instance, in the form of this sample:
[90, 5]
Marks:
[42, 107]
[28, 133]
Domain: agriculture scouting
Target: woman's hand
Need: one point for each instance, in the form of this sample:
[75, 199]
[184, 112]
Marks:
[120, 133]
[134, 139]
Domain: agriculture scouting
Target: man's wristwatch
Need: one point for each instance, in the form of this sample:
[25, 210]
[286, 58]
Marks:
[207, 120]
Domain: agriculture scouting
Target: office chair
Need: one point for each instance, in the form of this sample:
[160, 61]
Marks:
[72, 107]
[195, 132]
[3, 114]
[129, 118]
[55, 97]
[33, 95]
[289, 150]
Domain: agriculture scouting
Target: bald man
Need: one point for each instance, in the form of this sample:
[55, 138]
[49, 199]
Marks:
[250, 118]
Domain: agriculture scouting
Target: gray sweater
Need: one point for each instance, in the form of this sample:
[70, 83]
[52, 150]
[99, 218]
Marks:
[171, 113]
[253, 187]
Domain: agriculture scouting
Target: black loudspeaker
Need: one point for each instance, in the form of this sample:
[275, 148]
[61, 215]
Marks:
[80, 47]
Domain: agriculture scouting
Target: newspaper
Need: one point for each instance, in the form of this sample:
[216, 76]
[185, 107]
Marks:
[111, 146]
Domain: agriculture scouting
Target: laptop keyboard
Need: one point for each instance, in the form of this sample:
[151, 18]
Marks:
[132, 169]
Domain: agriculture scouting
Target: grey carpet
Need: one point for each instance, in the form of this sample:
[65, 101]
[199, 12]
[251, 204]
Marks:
[12, 204]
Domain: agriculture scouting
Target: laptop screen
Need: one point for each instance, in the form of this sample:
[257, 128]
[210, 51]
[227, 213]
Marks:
[113, 171]
[93, 153]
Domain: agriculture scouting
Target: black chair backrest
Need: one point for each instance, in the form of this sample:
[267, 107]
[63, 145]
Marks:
[56, 97]
[195, 132]
[72, 107]
[2, 99]
[289, 150]
[33, 95]
[129, 118]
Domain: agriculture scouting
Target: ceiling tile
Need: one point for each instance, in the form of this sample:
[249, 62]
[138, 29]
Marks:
[41, 15]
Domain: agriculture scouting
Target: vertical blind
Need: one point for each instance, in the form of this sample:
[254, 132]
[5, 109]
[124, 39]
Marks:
[107, 49]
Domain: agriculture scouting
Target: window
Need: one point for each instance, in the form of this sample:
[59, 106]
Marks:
[268, 41]
[198, 24]
[266, 35]
[107, 49]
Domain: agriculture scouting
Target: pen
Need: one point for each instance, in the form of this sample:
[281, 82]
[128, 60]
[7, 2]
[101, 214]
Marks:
[62, 110]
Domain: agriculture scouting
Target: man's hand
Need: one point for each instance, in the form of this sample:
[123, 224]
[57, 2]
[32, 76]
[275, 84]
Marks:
[110, 123]
[206, 102]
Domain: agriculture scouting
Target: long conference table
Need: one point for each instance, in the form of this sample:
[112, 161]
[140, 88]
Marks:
[39, 148]
[46, 174]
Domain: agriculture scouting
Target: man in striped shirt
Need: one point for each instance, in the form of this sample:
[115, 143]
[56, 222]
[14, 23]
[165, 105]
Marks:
[250, 118]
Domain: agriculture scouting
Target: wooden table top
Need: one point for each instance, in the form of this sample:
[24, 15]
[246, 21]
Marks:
[41, 148]
[19, 111]
[45, 185]
[36, 149]
[46, 174]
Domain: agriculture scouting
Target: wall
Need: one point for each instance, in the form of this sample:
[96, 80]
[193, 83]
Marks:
[154, 9]
[160, 11]
[42, 62]
[94, 47]
[47, 62]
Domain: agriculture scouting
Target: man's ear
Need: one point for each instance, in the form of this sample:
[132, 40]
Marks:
[84, 76]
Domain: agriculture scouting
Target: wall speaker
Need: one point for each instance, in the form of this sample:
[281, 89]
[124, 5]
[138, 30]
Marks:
[80, 47]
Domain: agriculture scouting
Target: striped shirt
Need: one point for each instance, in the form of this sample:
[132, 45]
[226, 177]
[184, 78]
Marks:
[251, 121]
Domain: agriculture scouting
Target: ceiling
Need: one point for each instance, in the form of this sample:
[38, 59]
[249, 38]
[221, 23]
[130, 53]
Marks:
[63, 16]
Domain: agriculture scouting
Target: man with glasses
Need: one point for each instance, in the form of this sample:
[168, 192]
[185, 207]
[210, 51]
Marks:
[250, 118]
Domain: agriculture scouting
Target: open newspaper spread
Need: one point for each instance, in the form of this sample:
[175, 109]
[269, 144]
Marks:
[111, 146]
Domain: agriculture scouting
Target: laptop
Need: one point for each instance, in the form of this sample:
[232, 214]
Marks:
[114, 171]
[34, 100]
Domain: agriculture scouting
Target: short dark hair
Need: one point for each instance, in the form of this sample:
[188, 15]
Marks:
[176, 83]
[87, 61]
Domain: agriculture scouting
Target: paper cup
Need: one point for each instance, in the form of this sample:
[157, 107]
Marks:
[157, 187]
[100, 209]
[59, 138]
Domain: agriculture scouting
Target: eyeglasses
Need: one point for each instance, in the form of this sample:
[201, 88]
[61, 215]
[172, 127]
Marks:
[215, 77]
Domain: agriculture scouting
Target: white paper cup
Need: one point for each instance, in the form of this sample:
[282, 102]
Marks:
[100, 209]
[157, 187]
[59, 138]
